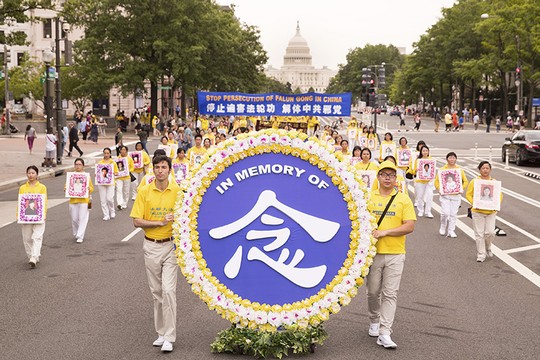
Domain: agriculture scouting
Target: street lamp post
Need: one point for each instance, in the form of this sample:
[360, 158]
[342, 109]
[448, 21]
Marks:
[58, 93]
[47, 58]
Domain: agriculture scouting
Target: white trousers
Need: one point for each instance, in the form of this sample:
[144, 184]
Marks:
[106, 197]
[122, 192]
[484, 232]
[135, 184]
[449, 209]
[32, 235]
[79, 219]
[162, 274]
[424, 197]
[382, 288]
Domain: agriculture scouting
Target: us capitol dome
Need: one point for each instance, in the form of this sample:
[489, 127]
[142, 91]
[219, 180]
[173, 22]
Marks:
[297, 67]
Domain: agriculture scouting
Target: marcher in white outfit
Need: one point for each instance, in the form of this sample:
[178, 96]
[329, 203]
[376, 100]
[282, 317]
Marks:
[450, 201]
[139, 172]
[32, 234]
[78, 207]
[423, 188]
[483, 220]
[123, 183]
[106, 192]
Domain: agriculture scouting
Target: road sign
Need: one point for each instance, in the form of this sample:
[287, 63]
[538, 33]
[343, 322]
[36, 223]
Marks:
[165, 88]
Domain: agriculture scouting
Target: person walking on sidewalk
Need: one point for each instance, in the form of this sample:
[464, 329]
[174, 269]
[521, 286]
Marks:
[29, 136]
[32, 234]
[118, 139]
[106, 192]
[73, 140]
[394, 212]
[50, 148]
[78, 207]
[437, 118]
[153, 211]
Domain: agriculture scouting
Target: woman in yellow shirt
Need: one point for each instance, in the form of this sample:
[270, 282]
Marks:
[389, 149]
[423, 188]
[366, 163]
[106, 192]
[483, 220]
[32, 234]
[78, 207]
[123, 183]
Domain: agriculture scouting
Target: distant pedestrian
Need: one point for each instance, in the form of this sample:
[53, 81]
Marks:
[118, 139]
[402, 120]
[476, 121]
[29, 136]
[50, 147]
[32, 234]
[437, 118]
[489, 118]
[94, 132]
[73, 140]
[417, 121]
[498, 124]
[447, 122]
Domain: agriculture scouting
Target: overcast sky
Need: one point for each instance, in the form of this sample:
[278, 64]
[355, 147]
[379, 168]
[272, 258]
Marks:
[332, 28]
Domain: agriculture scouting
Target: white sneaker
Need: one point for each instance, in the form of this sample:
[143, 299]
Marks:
[429, 215]
[167, 346]
[133, 198]
[386, 341]
[452, 234]
[159, 341]
[420, 213]
[489, 254]
[79, 240]
[374, 329]
[106, 218]
[113, 215]
[442, 230]
[480, 259]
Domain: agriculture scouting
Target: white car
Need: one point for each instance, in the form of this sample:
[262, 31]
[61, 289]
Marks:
[18, 109]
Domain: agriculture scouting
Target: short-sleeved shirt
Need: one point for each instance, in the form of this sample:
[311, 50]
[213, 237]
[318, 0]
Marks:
[400, 210]
[153, 204]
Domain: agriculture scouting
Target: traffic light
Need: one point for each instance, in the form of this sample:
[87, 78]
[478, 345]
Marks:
[382, 78]
[366, 77]
[7, 55]
[518, 73]
[372, 97]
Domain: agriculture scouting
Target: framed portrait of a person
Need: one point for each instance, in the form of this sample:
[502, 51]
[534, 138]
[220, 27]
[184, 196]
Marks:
[123, 168]
[137, 158]
[426, 169]
[487, 194]
[166, 148]
[404, 157]
[368, 177]
[180, 172]
[362, 140]
[450, 182]
[104, 174]
[31, 209]
[351, 134]
[371, 144]
[388, 150]
[77, 184]
[355, 160]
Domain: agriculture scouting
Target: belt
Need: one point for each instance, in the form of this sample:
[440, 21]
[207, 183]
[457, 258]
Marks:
[159, 240]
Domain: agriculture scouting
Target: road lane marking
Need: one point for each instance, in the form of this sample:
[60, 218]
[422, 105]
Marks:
[501, 254]
[132, 234]
[8, 209]
[523, 248]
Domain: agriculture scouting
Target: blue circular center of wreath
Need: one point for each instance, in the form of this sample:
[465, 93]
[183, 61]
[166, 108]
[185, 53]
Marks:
[274, 229]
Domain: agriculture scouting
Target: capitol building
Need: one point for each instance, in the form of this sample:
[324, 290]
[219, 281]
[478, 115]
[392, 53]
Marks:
[298, 70]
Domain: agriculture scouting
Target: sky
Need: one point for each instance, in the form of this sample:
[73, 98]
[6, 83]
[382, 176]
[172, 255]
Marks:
[332, 28]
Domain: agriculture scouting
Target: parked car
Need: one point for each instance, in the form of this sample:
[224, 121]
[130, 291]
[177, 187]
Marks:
[395, 113]
[18, 109]
[523, 147]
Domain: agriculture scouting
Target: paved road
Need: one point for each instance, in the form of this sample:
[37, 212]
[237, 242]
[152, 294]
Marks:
[91, 300]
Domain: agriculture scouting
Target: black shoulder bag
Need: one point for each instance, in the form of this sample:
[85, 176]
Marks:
[386, 209]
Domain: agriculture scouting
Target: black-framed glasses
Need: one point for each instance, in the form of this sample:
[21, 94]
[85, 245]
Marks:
[387, 175]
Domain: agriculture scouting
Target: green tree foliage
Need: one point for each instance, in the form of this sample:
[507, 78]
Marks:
[193, 44]
[349, 76]
[24, 80]
[12, 11]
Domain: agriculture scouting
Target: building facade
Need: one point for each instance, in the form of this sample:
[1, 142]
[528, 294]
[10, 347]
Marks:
[298, 70]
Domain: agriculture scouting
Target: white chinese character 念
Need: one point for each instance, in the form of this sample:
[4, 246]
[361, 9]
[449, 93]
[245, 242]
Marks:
[320, 230]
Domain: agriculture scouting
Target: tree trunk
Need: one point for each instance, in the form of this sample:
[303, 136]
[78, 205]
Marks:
[183, 103]
[473, 100]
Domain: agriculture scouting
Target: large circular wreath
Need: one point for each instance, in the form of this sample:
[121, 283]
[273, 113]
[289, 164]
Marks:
[243, 312]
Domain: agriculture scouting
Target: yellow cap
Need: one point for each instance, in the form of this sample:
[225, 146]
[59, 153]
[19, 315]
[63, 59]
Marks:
[387, 165]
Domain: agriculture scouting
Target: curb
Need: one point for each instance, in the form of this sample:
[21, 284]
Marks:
[42, 175]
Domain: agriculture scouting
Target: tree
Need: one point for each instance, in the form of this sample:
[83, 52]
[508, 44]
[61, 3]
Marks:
[16, 11]
[24, 80]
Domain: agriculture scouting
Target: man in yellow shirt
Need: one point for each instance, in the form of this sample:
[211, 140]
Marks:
[153, 211]
[396, 218]
[195, 154]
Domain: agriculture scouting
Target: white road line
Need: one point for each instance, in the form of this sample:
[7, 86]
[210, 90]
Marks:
[501, 254]
[524, 232]
[523, 248]
[132, 234]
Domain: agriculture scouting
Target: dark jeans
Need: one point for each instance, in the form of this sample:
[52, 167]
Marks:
[73, 144]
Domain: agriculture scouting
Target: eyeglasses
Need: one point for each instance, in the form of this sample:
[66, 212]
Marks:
[387, 175]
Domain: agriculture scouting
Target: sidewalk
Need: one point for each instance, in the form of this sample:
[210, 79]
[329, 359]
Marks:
[15, 157]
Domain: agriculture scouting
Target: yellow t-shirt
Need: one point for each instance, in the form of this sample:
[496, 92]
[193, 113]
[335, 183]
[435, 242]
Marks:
[153, 204]
[470, 197]
[370, 166]
[401, 210]
[131, 167]
[195, 155]
[37, 188]
[115, 168]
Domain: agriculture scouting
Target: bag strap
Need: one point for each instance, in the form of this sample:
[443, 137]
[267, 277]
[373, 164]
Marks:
[386, 209]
